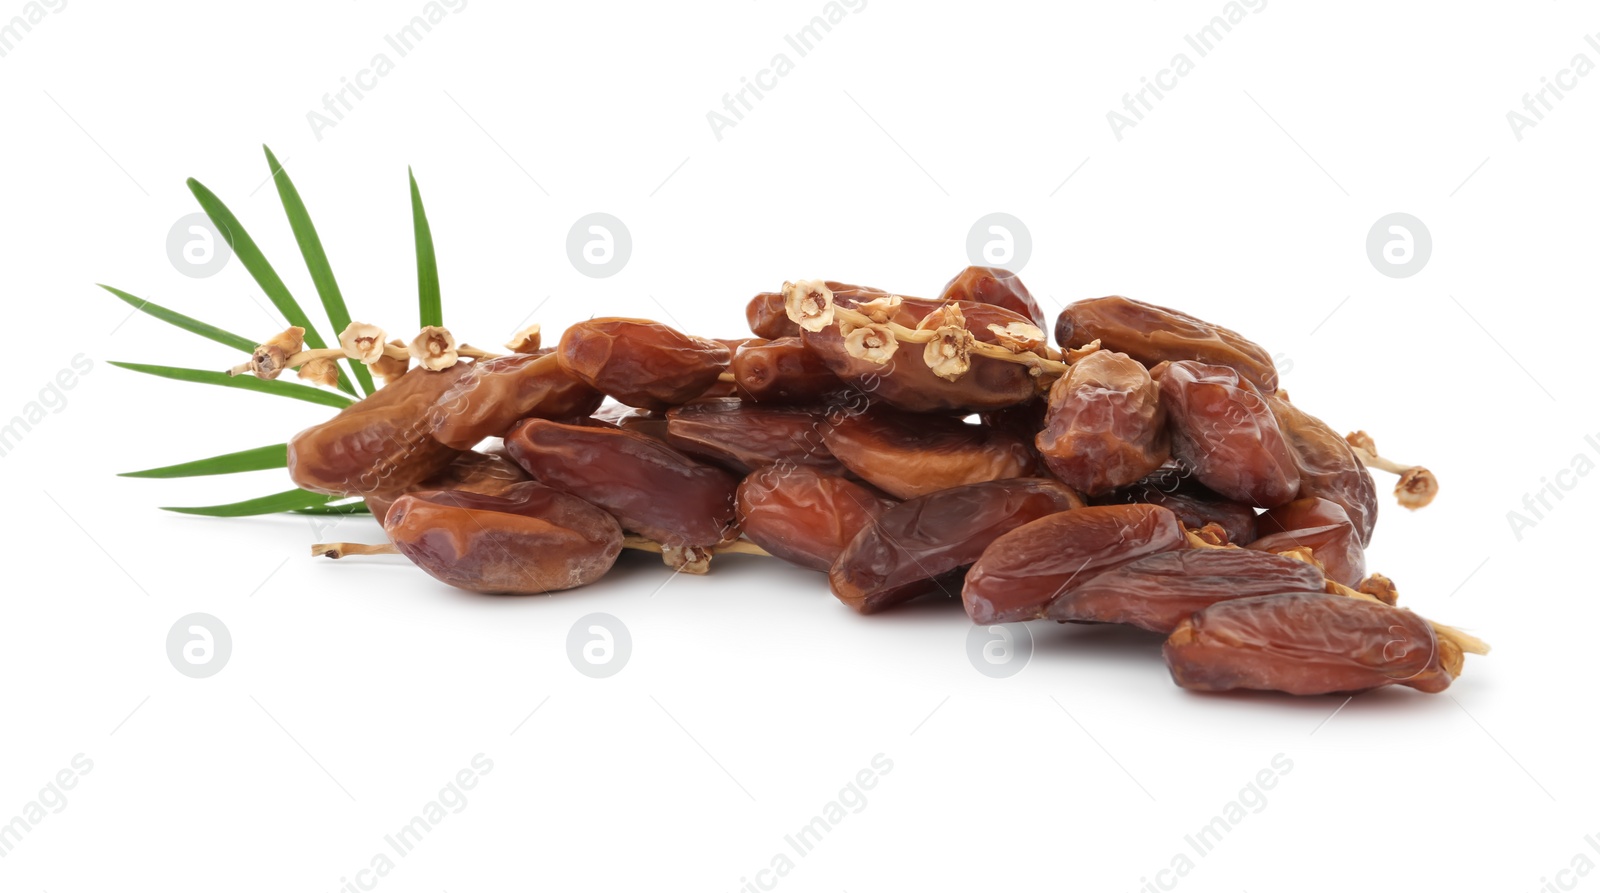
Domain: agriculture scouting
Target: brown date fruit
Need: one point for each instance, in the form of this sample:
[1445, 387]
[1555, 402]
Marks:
[1176, 490]
[641, 362]
[1320, 525]
[1160, 591]
[997, 286]
[1224, 431]
[1152, 334]
[489, 474]
[1328, 466]
[919, 545]
[1307, 644]
[907, 383]
[805, 516]
[495, 394]
[1105, 426]
[1020, 573]
[743, 437]
[530, 539]
[781, 371]
[767, 317]
[648, 422]
[650, 487]
[380, 445]
[909, 455]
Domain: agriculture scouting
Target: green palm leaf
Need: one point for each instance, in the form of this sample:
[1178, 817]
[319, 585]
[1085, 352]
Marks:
[250, 255]
[187, 323]
[316, 260]
[246, 382]
[358, 507]
[428, 305]
[258, 459]
[288, 500]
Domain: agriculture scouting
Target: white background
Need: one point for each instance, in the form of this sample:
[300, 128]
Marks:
[357, 689]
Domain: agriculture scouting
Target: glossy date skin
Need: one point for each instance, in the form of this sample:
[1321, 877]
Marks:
[1176, 490]
[379, 446]
[909, 455]
[781, 371]
[906, 382]
[1160, 591]
[641, 362]
[1224, 431]
[495, 394]
[1305, 644]
[917, 546]
[1152, 334]
[805, 516]
[651, 488]
[1328, 467]
[997, 286]
[1105, 426]
[743, 437]
[1023, 571]
[1321, 526]
[530, 539]
[470, 472]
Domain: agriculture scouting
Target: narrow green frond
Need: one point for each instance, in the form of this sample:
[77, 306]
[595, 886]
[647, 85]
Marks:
[261, 505]
[428, 303]
[188, 324]
[244, 382]
[258, 459]
[358, 507]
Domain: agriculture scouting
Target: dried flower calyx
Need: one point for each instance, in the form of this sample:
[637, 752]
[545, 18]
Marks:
[271, 357]
[874, 343]
[525, 341]
[362, 341]
[434, 348]
[809, 304]
[1018, 337]
[322, 370]
[949, 354]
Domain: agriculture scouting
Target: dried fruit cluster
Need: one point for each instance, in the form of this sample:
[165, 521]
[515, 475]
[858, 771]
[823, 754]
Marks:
[1146, 470]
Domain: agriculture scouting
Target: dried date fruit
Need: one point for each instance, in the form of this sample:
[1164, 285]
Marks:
[495, 394]
[380, 445]
[1105, 426]
[1152, 334]
[1329, 467]
[529, 539]
[805, 516]
[1021, 572]
[650, 487]
[1176, 490]
[997, 286]
[1320, 525]
[641, 362]
[919, 545]
[781, 371]
[743, 437]
[471, 472]
[1224, 431]
[1308, 644]
[767, 317]
[1160, 591]
[909, 455]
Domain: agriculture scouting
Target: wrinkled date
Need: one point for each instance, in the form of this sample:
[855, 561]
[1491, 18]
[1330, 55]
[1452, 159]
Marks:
[1321, 526]
[805, 516]
[745, 437]
[471, 472]
[919, 545]
[1105, 426]
[1022, 572]
[997, 286]
[495, 394]
[1176, 490]
[1307, 645]
[1160, 591]
[1328, 467]
[1224, 431]
[640, 362]
[1152, 335]
[378, 446]
[530, 539]
[650, 487]
[781, 371]
[910, 455]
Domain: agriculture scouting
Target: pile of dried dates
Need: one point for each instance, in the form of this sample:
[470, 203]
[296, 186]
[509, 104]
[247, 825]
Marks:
[1146, 470]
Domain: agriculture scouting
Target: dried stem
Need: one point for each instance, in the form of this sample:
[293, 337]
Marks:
[1037, 364]
[1417, 485]
[341, 550]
